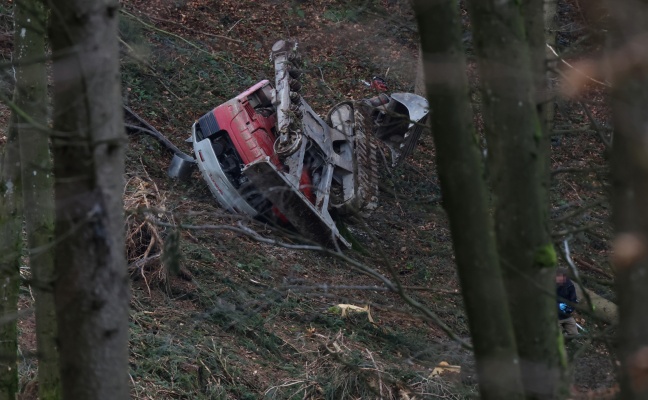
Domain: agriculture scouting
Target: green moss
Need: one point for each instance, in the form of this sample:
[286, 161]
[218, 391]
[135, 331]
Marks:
[346, 233]
[545, 256]
[335, 310]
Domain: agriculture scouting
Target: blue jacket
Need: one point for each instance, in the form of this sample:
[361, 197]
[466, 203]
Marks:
[566, 291]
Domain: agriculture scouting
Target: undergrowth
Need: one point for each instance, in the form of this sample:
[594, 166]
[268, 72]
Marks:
[227, 326]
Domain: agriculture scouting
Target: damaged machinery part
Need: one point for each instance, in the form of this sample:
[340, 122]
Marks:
[266, 153]
[400, 120]
[306, 146]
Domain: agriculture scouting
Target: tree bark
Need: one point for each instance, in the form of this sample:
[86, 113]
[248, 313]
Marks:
[517, 164]
[92, 287]
[466, 200]
[419, 80]
[630, 189]
[10, 252]
[38, 185]
[604, 309]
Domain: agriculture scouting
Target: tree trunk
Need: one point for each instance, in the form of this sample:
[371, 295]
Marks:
[92, 287]
[10, 252]
[419, 80]
[539, 28]
[517, 164]
[604, 309]
[38, 189]
[630, 190]
[466, 200]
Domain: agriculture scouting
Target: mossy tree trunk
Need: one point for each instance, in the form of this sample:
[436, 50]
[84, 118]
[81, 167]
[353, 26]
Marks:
[538, 16]
[91, 289]
[630, 189]
[10, 252]
[38, 184]
[517, 165]
[466, 200]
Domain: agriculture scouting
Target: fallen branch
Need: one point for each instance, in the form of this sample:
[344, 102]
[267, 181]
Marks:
[185, 27]
[567, 232]
[579, 71]
[596, 126]
[151, 131]
[195, 46]
[569, 170]
[361, 267]
[584, 208]
[326, 288]
[586, 265]
[596, 305]
[576, 277]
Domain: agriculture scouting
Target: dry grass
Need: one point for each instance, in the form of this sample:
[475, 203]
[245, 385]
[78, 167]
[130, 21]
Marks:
[145, 239]
[342, 369]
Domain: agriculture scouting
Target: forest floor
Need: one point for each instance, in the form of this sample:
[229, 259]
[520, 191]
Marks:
[245, 320]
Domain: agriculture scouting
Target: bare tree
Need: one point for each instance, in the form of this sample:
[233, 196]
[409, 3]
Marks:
[10, 252]
[628, 62]
[37, 183]
[92, 287]
[466, 201]
[517, 163]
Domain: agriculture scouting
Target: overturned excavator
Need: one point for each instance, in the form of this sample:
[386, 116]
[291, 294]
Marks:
[265, 153]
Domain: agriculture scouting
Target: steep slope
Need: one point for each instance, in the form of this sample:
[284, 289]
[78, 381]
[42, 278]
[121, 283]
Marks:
[216, 314]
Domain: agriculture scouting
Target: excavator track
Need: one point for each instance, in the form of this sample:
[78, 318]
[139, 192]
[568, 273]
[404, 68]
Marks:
[366, 160]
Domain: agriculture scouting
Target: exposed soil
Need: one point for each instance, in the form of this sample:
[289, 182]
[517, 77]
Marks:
[244, 320]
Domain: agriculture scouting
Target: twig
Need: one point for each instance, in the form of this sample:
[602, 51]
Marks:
[596, 126]
[323, 80]
[569, 170]
[397, 287]
[223, 365]
[195, 46]
[579, 211]
[580, 72]
[409, 300]
[232, 27]
[133, 54]
[575, 274]
[151, 131]
[185, 27]
[325, 288]
[378, 372]
[589, 266]
[567, 232]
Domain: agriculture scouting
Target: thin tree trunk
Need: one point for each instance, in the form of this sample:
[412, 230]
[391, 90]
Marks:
[535, 28]
[92, 287]
[517, 161]
[630, 190]
[38, 185]
[466, 200]
[10, 252]
[419, 80]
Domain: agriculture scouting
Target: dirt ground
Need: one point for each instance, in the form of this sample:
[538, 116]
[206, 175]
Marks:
[244, 320]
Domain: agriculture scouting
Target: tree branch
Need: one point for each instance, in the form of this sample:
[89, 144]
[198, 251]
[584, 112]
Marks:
[394, 287]
[195, 46]
[185, 27]
[596, 126]
[584, 208]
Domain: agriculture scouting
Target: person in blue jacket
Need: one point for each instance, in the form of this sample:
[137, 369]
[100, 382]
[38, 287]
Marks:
[566, 297]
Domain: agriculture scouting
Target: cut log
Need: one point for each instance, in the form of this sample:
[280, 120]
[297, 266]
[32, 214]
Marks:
[604, 309]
